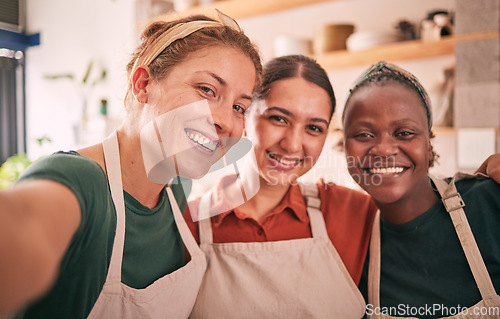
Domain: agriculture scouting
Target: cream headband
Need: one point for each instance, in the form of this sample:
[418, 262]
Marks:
[177, 32]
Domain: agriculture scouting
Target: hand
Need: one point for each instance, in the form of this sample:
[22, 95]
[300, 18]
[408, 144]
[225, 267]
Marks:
[491, 167]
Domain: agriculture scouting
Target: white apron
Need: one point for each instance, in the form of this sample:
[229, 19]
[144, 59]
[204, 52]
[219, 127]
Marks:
[454, 206]
[171, 296]
[299, 278]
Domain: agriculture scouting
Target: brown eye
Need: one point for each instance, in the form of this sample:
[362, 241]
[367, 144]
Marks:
[362, 137]
[315, 128]
[406, 134]
[277, 118]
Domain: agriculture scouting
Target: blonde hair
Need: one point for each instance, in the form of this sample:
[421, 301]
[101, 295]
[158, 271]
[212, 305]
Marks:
[178, 50]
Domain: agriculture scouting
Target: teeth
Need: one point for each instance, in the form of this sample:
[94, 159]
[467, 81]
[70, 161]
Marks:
[211, 146]
[282, 160]
[202, 140]
[286, 162]
[386, 170]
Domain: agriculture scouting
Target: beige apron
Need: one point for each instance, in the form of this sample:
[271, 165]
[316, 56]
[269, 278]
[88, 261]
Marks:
[299, 278]
[454, 206]
[171, 296]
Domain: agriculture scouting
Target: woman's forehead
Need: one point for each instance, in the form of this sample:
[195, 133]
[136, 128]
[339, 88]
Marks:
[392, 99]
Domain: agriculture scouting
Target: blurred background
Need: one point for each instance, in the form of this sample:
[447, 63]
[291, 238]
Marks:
[63, 77]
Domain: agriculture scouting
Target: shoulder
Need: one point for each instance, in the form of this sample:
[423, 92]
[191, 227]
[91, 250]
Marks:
[340, 195]
[484, 192]
[83, 176]
[484, 187]
[345, 205]
[70, 164]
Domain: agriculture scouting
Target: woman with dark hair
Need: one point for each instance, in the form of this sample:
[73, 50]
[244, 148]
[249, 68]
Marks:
[435, 248]
[99, 233]
[275, 256]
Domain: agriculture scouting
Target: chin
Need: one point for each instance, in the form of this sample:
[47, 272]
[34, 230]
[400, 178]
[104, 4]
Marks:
[192, 168]
[384, 197]
[191, 173]
[278, 179]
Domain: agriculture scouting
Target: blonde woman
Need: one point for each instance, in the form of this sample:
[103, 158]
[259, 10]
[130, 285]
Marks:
[66, 248]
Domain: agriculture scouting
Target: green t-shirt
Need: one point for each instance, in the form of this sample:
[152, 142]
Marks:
[423, 266]
[153, 246]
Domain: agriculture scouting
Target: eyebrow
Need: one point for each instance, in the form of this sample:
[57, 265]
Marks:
[320, 120]
[215, 76]
[357, 124]
[288, 113]
[369, 124]
[279, 109]
[405, 120]
[224, 83]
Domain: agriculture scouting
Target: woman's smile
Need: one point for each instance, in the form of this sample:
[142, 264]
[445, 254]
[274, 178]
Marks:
[283, 162]
[202, 141]
[385, 170]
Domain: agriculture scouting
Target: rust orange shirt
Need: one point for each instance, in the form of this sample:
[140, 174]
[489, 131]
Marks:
[348, 216]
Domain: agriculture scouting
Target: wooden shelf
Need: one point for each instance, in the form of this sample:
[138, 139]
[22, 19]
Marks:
[405, 50]
[238, 9]
[444, 130]
[452, 130]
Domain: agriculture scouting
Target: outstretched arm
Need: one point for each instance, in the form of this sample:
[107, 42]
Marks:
[37, 221]
[491, 167]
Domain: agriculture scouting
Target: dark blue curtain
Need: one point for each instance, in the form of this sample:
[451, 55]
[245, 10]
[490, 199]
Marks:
[11, 108]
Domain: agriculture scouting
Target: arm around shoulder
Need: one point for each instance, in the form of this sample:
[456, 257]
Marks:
[491, 167]
[37, 222]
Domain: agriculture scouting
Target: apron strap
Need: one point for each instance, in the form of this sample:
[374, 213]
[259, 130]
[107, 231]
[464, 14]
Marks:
[204, 223]
[374, 265]
[313, 203]
[454, 206]
[184, 231]
[113, 168]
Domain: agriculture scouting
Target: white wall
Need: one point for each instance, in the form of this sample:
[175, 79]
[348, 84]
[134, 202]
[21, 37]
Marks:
[74, 32]
[365, 15]
[71, 34]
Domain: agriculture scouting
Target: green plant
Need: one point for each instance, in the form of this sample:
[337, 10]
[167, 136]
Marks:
[85, 82]
[84, 87]
[12, 168]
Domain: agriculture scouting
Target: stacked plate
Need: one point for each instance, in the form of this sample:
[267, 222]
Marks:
[363, 40]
